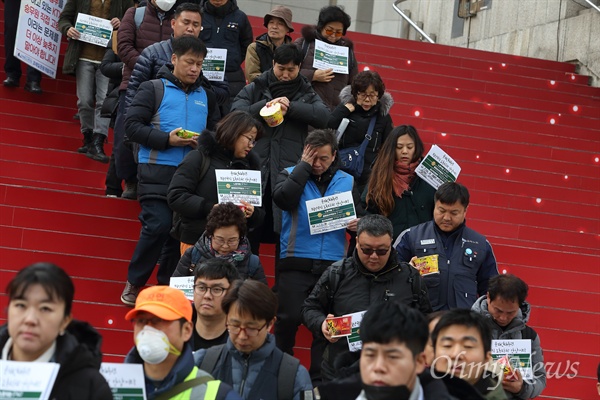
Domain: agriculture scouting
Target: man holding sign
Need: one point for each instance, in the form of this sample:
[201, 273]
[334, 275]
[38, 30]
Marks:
[310, 241]
[455, 261]
[507, 313]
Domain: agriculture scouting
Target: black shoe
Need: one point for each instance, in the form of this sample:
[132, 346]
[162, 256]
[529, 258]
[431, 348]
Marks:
[87, 141]
[130, 191]
[96, 151]
[11, 82]
[76, 116]
[33, 87]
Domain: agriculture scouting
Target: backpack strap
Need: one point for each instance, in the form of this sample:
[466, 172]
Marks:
[414, 281]
[159, 92]
[528, 333]
[286, 378]
[335, 276]
[305, 45]
[211, 357]
[253, 265]
[183, 386]
[139, 16]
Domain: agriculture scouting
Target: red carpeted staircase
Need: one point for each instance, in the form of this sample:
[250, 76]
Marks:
[525, 131]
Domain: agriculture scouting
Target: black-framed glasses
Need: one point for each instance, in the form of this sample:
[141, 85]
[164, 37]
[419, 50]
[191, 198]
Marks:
[231, 242]
[364, 96]
[216, 291]
[251, 141]
[250, 332]
[379, 252]
[333, 32]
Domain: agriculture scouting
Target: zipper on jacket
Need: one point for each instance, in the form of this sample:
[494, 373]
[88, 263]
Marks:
[244, 376]
[218, 29]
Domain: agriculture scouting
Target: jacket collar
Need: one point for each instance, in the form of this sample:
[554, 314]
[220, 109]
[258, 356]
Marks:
[256, 356]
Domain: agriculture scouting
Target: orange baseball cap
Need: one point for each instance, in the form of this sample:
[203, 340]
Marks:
[164, 302]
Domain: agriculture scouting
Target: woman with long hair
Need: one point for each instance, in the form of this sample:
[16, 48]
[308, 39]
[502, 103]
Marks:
[394, 190]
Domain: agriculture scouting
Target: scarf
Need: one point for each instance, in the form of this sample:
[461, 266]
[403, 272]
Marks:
[403, 176]
[235, 257]
[284, 88]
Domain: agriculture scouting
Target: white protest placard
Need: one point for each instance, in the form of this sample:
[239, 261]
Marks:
[125, 380]
[93, 30]
[438, 167]
[234, 185]
[331, 56]
[330, 213]
[38, 39]
[214, 64]
[354, 342]
[518, 353]
[27, 380]
[185, 284]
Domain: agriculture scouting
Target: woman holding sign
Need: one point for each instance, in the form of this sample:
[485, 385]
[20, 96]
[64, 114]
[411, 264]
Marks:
[193, 191]
[394, 190]
[41, 329]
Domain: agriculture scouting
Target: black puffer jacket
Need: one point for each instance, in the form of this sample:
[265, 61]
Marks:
[79, 356]
[359, 124]
[357, 289]
[329, 91]
[192, 196]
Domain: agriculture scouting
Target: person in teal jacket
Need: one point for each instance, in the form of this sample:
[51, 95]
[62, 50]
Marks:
[304, 256]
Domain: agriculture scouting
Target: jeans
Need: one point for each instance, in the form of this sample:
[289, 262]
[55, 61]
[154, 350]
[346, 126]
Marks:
[92, 86]
[156, 218]
[12, 65]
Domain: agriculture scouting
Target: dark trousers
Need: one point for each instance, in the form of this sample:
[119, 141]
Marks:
[112, 182]
[12, 65]
[293, 287]
[156, 218]
[126, 167]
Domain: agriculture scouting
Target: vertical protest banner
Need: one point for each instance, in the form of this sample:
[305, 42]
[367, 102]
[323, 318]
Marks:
[38, 38]
[214, 64]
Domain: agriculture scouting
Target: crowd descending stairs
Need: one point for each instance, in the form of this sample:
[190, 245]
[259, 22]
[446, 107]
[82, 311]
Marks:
[525, 131]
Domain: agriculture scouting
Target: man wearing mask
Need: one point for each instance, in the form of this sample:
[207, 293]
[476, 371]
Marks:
[163, 316]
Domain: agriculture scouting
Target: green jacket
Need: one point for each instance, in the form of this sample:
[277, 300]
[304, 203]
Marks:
[67, 20]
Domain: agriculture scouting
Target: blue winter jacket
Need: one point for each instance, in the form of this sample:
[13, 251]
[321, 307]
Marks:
[253, 376]
[465, 258]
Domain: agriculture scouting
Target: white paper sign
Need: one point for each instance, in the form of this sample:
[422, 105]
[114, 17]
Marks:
[27, 380]
[234, 185]
[93, 30]
[38, 38]
[214, 64]
[125, 380]
[438, 167]
[519, 353]
[185, 284]
[330, 213]
[354, 342]
[331, 56]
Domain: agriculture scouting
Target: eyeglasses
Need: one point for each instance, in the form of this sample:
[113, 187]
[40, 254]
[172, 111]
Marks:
[216, 291]
[364, 96]
[219, 241]
[333, 32]
[250, 332]
[251, 141]
[154, 321]
[379, 252]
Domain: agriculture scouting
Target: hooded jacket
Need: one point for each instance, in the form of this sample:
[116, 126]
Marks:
[359, 124]
[328, 91]
[356, 291]
[253, 376]
[281, 146]
[149, 125]
[259, 57]
[514, 331]
[79, 356]
[67, 19]
[193, 196]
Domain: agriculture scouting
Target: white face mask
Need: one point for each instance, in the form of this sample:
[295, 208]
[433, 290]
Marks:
[165, 5]
[153, 345]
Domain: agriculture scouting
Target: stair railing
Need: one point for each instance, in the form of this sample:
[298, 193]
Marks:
[410, 21]
[589, 2]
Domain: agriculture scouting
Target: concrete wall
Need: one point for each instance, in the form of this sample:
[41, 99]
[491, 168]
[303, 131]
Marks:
[561, 30]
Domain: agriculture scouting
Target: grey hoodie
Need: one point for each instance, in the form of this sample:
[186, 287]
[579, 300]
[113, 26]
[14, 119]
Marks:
[514, 331]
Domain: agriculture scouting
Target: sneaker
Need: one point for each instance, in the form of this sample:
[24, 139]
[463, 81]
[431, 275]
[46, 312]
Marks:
[130, 191]
[130, 293]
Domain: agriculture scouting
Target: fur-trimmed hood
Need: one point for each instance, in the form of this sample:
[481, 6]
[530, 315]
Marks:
[310, 33]
[386, 101]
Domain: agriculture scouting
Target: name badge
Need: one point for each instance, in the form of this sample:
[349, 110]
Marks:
[427, 241]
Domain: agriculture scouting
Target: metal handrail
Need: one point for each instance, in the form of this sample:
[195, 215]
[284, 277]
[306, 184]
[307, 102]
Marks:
[410, 21]
[587, 1]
